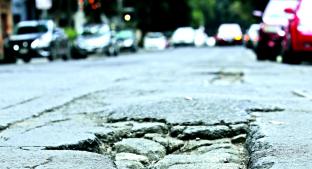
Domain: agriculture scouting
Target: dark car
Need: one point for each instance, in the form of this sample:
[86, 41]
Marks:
[38, 39]
[297, 44]
[271, 31]
[252, 36]
[95, 38]
[127, 40]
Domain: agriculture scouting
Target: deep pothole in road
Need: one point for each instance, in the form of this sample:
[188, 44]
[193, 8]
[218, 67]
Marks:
[158, 145]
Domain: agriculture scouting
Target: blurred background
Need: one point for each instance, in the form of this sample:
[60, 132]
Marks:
[147, 15]
[85, 27]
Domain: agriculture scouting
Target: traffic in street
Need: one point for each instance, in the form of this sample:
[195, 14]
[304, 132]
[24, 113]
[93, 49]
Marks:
[179, 84]
[180, 108]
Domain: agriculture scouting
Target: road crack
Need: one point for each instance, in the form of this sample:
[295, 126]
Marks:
[48, 160]
[22, 102]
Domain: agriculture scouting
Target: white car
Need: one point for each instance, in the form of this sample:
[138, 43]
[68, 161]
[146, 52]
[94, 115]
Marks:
[155, 40]
[200, 37]
[229, 33]
[183, 36]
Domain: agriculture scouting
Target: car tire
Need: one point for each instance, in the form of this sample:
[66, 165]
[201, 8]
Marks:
[288, 55]
[52, 55]
[272, 55]
[67, 55]
[26, 59]
[134, 49]
[50, 58]
[9, 59]
[111, 51]
[116, 53]
[261, 54]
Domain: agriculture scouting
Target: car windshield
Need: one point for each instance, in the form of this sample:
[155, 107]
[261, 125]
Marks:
[95, 30]
[154, 35]
[184, 31]
[254, 28]
[30, 29]
[125, 34]
[275, 9]
[305, 12]
[229, 30]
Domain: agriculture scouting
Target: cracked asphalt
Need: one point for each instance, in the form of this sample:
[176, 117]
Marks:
[182, 108]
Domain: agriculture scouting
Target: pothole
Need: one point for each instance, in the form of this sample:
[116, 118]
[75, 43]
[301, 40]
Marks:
[157, 145]
[227, 76]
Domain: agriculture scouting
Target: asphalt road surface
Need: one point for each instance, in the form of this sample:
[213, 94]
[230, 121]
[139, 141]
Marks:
[182, 108]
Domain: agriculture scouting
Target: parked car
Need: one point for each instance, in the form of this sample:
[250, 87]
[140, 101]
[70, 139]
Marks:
[127, 40]
[155, 40]
[229, 34]
[38, 39]
[200, 37]
[252, 36]
[297, 44]
[95, 38]
[271, 31]
[183, 36]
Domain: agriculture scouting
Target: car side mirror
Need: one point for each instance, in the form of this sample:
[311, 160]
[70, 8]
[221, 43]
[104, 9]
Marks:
[257, 13]
[289, 11]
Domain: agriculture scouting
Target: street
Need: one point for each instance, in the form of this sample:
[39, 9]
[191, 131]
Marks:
[180, 108]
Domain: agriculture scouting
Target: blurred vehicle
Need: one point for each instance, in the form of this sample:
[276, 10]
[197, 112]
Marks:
[183, 36]
[200, 37]
[211, 41]
[252, 36]
[38, 39]
[155, 40]
[127, 40]
[229, 34]
[297, 44]
[95, 38]
[271, 32]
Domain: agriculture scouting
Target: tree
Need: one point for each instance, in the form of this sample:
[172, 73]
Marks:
[167, 15]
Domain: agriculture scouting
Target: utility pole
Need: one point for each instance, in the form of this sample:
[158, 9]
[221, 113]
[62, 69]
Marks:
[120, 11]
[79, 17]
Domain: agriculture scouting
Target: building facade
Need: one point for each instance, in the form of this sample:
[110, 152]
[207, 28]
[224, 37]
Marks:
[6, 23]
[23, 10]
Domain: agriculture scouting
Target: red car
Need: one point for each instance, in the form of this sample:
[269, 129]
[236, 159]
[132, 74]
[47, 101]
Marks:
[297, 44]
[271, 33]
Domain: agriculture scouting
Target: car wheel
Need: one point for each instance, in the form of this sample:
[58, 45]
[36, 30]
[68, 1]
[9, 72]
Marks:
[26, 59]
[53, 55]
[116, 53]
[67, 55]
[134, 49]
[272, 55]
[51, 58]
[260, 53]
[9, 59]
[111, 51]
[289, 56]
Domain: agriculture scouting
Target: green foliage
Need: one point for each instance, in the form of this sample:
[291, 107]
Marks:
[198, 18]
[71, 33]
[167, 15]
[211, 13]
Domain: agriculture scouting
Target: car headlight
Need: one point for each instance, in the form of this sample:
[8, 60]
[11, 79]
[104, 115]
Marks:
[42, 42]
[128, 42]
[238, 37]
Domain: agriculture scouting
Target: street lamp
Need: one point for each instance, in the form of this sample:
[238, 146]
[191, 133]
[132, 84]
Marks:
[127, 17]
